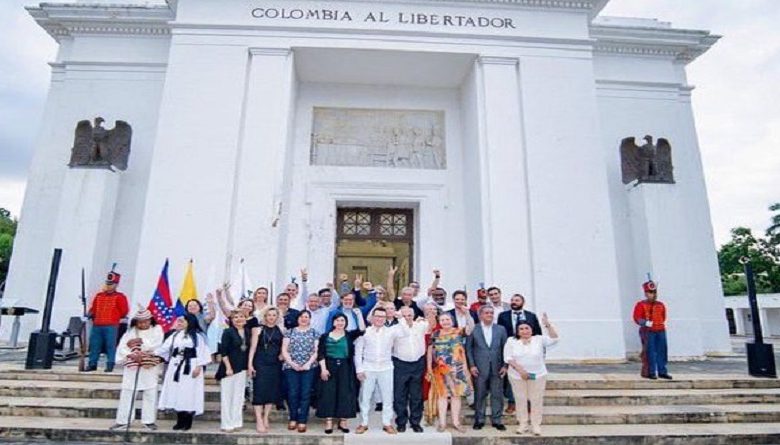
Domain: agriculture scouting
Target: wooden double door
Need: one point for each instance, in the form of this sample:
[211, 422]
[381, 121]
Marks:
[370, 241]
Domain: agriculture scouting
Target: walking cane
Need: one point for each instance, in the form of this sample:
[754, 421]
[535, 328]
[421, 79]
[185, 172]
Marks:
[131, 413]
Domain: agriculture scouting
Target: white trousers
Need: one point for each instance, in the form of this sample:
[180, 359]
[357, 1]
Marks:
[148, 406]
[383, 380]
[231, 407]
[525, 391]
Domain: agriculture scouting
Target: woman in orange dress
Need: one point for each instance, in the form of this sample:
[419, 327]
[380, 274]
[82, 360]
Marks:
[448, 370]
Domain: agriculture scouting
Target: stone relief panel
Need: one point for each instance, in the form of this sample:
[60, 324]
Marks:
[378, 138]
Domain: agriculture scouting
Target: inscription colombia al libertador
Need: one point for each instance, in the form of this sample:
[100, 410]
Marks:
[403, 18]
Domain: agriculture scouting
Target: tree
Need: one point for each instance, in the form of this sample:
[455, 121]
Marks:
[764, 254]
[7, 233]
[773, 232]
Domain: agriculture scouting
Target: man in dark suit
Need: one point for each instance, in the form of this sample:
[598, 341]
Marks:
[509, 320]
[461, 311]
[485, 354]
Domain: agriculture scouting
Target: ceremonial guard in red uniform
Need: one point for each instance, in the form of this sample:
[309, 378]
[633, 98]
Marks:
[106, 310]
[650, 315]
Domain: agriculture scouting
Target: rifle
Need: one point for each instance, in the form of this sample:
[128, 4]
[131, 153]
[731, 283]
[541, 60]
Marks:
[83, 333]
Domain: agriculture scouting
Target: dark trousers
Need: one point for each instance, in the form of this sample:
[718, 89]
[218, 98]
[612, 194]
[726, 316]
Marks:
[102, 338]
[299, 384]
[407, 391]
[489, 382]
[656, 352]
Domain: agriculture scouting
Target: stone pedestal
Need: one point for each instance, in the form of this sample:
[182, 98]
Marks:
[665, 246]
[85, 220]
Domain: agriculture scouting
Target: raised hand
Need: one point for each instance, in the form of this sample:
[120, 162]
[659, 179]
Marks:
[392, 271]
[304, 274]
[358, 281]
[545, 320]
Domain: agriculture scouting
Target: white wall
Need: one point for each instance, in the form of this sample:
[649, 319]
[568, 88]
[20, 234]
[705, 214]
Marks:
[118, 79]
[651, 96]
[439, 224]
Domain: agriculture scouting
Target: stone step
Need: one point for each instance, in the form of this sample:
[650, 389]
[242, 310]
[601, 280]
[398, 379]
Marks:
[203, 432]
[555, 381]
[573, 397]
[554, 415]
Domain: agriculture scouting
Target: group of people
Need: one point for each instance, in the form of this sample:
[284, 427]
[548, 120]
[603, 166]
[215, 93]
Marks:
[350, 351]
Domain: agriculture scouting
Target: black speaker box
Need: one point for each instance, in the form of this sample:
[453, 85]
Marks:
[761, 360]
[40, 350]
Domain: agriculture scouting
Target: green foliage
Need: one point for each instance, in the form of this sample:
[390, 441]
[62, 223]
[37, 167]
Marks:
[764, 254]
[773, 232]
[7, 232]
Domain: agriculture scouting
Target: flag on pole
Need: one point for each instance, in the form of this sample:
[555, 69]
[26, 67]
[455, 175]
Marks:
[245, 284]
[160, 304]
[187, 292]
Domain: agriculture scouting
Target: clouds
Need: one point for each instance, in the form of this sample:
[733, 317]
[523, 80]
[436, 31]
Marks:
[24, 52]
[736, 102]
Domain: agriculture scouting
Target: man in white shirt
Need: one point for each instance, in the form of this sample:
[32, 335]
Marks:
[408, 372]
[374, 366]
[496, 302]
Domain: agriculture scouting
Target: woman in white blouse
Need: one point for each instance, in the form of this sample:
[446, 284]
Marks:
[524, 353]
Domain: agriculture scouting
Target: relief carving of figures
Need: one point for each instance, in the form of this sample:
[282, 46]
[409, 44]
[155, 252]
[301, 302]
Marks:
[95, 146]
[378, 138]
[648, 162]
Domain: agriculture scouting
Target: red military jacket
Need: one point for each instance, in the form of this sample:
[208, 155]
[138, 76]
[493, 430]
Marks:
[655, 312]
[108, 309]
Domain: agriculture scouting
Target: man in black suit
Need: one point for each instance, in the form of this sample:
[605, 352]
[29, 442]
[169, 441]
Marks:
[461, 311]
[509, 320]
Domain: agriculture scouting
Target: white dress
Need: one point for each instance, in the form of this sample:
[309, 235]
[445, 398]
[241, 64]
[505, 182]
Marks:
[187, 393]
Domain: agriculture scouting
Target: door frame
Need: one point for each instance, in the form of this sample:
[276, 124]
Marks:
[374, 231]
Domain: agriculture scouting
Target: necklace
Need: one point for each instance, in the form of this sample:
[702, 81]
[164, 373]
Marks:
[243, 341]
[267, 339]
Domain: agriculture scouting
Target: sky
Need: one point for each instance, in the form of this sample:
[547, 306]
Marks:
[736, 100]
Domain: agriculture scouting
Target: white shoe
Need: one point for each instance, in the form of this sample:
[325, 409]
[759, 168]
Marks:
[536, 431]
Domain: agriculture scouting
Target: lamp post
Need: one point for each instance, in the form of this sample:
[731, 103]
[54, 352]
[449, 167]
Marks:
[761, 356]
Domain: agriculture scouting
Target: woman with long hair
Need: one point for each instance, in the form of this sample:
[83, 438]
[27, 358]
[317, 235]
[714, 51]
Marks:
[337, 397]
[187, 355]
[260, 299]
[299, 350]
[265, 367]
[448, 370]
[524, 353]
[195, 307]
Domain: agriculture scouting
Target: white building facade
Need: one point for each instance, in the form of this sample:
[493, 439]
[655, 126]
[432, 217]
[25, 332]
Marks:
[738, 311]
[497, 124]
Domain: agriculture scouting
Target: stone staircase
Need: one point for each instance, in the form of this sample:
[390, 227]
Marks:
[67, 406]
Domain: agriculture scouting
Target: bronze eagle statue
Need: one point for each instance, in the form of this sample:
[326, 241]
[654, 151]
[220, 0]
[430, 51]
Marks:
[647, 163]
[95, 146]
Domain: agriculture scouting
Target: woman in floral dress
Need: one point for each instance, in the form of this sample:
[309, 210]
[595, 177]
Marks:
[448, 370]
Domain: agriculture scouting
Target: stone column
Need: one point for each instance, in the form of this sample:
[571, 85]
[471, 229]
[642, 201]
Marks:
[657, 215]
[502, 157]
[258, 206]
[85, 220]
[739, 321]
